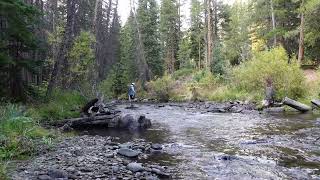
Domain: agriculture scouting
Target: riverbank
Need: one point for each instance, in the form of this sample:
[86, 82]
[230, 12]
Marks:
[191, 136]
[94, 157]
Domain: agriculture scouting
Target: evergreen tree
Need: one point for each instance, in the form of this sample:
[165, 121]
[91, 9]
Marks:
[18, 23]
[312, 29]
[128, 50]
[147, 15]
[184, 53]
[170, 33]
[237, 40]
[197, 33]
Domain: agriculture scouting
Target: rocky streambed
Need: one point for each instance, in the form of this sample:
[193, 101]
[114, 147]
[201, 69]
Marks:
[187, 141]
[94, 157]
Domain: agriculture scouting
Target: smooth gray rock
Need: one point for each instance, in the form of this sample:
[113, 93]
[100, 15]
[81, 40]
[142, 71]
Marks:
[115, 169]
[44, 177]
[135, 167]
[128, 152]
[156, 146]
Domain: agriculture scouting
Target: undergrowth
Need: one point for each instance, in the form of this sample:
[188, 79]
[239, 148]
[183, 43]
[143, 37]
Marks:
[21, 136]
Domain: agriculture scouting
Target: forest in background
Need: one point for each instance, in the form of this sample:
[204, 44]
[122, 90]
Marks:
[80, 44]
[56, 55]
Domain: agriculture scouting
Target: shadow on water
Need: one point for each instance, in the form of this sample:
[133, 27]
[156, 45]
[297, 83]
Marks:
[154, 135]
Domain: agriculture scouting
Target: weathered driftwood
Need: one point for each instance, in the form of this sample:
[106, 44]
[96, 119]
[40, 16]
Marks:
[88, 105]
[296, 105]
[316, 103]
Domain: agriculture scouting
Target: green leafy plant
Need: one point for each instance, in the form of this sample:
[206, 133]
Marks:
[287, 78]
[161, 88]
[61, 105]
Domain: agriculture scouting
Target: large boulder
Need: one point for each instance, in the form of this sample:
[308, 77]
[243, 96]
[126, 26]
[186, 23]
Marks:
[126, 121]
[131, 122]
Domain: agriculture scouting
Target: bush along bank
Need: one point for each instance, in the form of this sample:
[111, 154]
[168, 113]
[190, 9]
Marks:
[21, 136]
[246, 82]
[21, 131]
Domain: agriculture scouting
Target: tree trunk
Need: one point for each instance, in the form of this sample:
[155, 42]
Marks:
[301, 41]
[273, 23]
[296, 105]
[61, 67]
[143, 66]
[205, 34]
[209, 35]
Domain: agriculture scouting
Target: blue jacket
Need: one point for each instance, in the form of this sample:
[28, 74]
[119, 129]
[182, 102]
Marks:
[131, 91]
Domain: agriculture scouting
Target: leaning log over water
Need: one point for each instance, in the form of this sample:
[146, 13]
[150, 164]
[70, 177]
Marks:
[296, 105]
[316, 103]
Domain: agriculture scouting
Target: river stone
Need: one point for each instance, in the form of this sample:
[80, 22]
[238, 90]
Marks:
[126, 145]
[44, 177]
[144, 122]
[56, 173]
[128, 152]
[150, 177]
[156, 146]
[160, 173]
[135, 167]
[115, 169]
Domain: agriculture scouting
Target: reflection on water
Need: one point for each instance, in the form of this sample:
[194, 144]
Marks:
[231, 146]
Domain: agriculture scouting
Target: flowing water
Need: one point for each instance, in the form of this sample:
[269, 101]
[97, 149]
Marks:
[231, 146]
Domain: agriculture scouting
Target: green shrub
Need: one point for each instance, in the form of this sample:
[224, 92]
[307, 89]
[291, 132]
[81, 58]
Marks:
[62, 105]
[225, 93]
[161, 88]
[18, 132]
[3, 171]
[288, 79]
[182, 73]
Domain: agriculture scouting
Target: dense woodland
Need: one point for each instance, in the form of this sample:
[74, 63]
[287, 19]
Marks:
[56, 55]
[81, 44]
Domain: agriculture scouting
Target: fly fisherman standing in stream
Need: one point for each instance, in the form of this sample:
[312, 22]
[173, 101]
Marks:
[132, 92]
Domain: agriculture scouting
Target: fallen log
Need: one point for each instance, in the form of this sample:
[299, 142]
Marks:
[107, 121]
[316, 103]
[296, 105]
[87, 121]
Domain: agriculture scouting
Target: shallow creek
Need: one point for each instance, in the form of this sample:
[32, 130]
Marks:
[230, 146]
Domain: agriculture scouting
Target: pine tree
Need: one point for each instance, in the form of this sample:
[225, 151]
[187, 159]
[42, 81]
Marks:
[197, 33]
[147, 15]
[170, 33]
[18, 23]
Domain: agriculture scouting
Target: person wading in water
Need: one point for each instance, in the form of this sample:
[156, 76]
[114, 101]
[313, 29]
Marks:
[132, 92]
